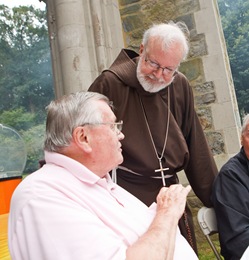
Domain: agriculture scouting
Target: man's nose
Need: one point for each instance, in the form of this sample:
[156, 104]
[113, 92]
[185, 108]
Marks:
[121, 136]
[158, 73]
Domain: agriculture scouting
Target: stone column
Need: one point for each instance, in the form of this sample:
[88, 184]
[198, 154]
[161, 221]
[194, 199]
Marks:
[225, 113]
[85, 37]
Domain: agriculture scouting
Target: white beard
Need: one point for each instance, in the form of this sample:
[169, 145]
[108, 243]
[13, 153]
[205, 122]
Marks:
[147, 86]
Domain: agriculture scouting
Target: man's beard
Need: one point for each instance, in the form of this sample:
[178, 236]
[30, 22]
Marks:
[147, 86]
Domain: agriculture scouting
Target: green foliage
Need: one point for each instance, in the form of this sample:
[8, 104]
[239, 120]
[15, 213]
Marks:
[25, 76]
[235, 22]
[34, 139]
[12, 152]
[32, 134]
[204, 250]
[18, 119]
[25, 64]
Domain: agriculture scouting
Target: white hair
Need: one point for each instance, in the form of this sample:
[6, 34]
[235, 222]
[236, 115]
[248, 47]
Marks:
[245, 123]
[67, 113]
[169, 33]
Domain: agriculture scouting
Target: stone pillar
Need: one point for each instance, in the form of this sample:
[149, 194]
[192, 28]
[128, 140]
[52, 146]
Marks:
[85, 36]
[224, 109]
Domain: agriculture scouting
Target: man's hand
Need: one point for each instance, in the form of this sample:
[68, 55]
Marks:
[172, 200]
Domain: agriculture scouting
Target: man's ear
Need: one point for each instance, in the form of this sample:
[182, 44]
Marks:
[141, 49]
[81, 139]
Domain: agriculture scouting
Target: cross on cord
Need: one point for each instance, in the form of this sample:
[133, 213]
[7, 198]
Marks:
[161, 169]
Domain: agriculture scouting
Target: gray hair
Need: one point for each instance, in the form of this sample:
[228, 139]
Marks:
[245, 123]
[67, 113]
[169, 33]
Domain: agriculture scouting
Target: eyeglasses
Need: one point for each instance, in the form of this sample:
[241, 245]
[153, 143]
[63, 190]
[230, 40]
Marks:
[116, 126]
[155, 66]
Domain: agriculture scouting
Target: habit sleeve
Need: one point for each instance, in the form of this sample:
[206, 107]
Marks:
[200, 168]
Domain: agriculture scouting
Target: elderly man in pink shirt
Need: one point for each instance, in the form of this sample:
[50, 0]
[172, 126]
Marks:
[70, 208]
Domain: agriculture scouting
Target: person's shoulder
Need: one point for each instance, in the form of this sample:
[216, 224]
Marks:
[181, 87]
[233, 167]
[25, 191]
[106, 80]
[180, 76]
[181, 81]
[109, 74]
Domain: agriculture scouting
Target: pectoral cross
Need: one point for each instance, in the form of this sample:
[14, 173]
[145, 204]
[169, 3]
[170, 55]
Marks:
[162, 171]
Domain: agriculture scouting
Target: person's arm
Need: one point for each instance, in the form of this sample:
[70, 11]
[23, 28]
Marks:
[201, 168]
[159, 240]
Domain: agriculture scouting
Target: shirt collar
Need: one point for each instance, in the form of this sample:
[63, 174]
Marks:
[77, 169]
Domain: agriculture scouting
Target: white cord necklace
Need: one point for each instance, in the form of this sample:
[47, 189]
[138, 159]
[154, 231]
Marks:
[161, 169]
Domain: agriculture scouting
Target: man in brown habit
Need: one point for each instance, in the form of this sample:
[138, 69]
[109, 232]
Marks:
[162, 132]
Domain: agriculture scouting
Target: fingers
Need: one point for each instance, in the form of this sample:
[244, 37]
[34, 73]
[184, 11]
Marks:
[176, 193]
[175, 188]
[188, 188]
[173, 198]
